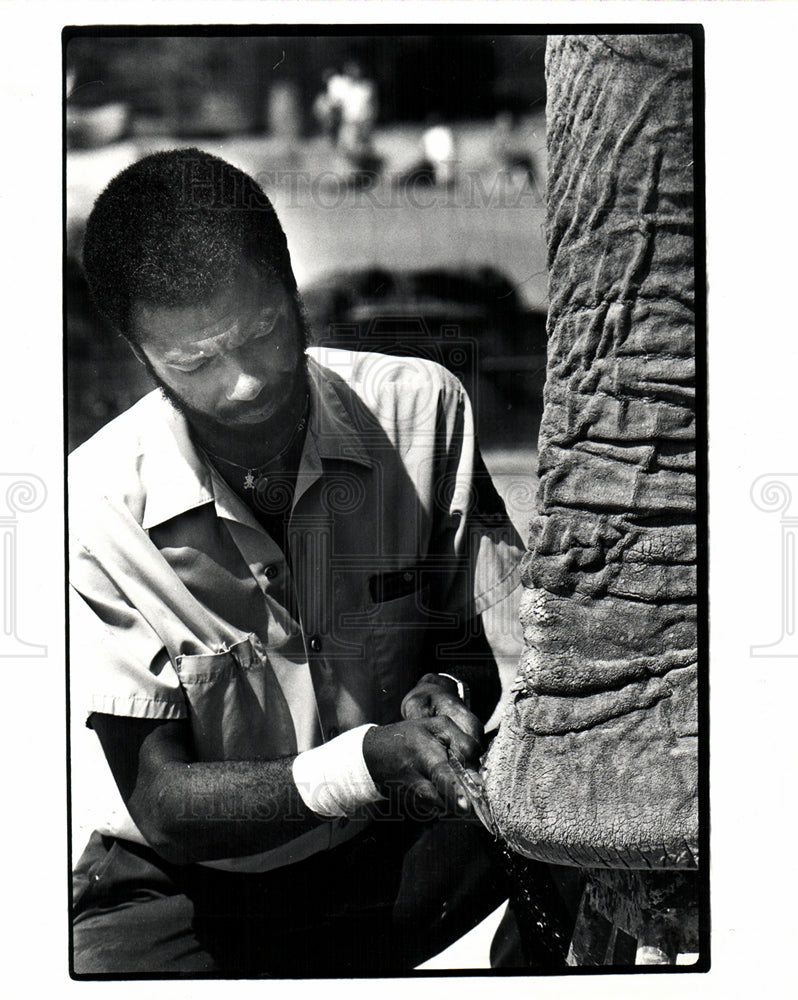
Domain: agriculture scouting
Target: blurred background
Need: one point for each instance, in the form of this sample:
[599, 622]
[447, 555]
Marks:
[408, 172]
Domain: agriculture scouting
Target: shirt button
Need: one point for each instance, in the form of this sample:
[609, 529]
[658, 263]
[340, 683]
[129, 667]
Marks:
[271, 572]
[315, 643]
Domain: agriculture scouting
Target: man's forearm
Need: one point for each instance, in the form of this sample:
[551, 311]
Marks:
[211, 810]
[191, 810]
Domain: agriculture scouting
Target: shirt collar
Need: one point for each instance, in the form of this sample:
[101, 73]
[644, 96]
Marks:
[177, 479]
[331, 426]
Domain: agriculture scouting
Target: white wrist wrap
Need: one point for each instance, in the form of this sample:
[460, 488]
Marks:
[333, 779]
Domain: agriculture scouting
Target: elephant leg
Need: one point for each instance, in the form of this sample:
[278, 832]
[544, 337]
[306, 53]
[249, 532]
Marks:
[595, 763]
[635, 918]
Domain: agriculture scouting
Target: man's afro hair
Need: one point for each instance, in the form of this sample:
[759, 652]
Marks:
[173, 229]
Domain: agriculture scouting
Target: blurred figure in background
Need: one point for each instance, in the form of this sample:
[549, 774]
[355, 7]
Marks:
[327, 106]
[440, 151]
[437, 164]
[509, 146]
[356, 97]
[346, 110]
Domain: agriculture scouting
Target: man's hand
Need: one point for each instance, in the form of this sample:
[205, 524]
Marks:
[436, 696]
[413, 757]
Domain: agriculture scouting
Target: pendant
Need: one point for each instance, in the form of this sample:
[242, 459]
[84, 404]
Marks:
[249, 481]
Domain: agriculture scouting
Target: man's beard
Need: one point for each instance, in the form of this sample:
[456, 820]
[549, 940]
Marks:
[208, 427]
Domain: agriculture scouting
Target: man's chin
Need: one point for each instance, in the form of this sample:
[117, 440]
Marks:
[236, 427]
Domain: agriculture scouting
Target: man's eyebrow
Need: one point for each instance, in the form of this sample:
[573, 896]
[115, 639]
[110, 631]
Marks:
[183, 356]
[204, 348]
[182, 359]
[236, 334]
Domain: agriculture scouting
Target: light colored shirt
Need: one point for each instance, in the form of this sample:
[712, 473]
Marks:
[438, 143]
[181, 594]
[356, 98]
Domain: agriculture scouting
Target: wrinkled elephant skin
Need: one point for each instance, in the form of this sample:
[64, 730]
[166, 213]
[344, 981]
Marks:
[595, 763]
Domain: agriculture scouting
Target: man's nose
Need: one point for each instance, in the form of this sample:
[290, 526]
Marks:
[243, 387]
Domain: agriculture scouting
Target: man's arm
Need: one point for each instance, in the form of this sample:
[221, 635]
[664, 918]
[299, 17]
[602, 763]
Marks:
[199, 811]
[190, 810]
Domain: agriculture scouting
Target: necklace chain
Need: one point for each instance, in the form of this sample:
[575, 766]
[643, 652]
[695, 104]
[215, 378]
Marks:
[253, 474]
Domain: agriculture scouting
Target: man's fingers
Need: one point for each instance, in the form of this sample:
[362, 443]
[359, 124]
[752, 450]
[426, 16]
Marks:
[427, 795]
[428, 701]
[449, 788]
[413, 757]
[418, 705]
[452, 736]
[451, 707]
[441, 790]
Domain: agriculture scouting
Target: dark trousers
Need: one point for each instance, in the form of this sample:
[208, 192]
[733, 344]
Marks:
[382, 903]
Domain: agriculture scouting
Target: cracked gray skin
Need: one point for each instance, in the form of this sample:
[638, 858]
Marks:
[595, 762]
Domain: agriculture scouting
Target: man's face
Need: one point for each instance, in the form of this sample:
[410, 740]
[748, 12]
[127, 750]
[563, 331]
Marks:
[230, 364]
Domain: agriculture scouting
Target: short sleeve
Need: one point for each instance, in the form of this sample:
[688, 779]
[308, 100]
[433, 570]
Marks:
[484, 542]
[494, 544]
[118, 665]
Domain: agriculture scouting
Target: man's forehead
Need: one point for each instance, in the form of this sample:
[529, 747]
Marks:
[205, 328]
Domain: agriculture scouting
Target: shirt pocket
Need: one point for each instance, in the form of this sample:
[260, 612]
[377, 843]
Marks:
[237, 708]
